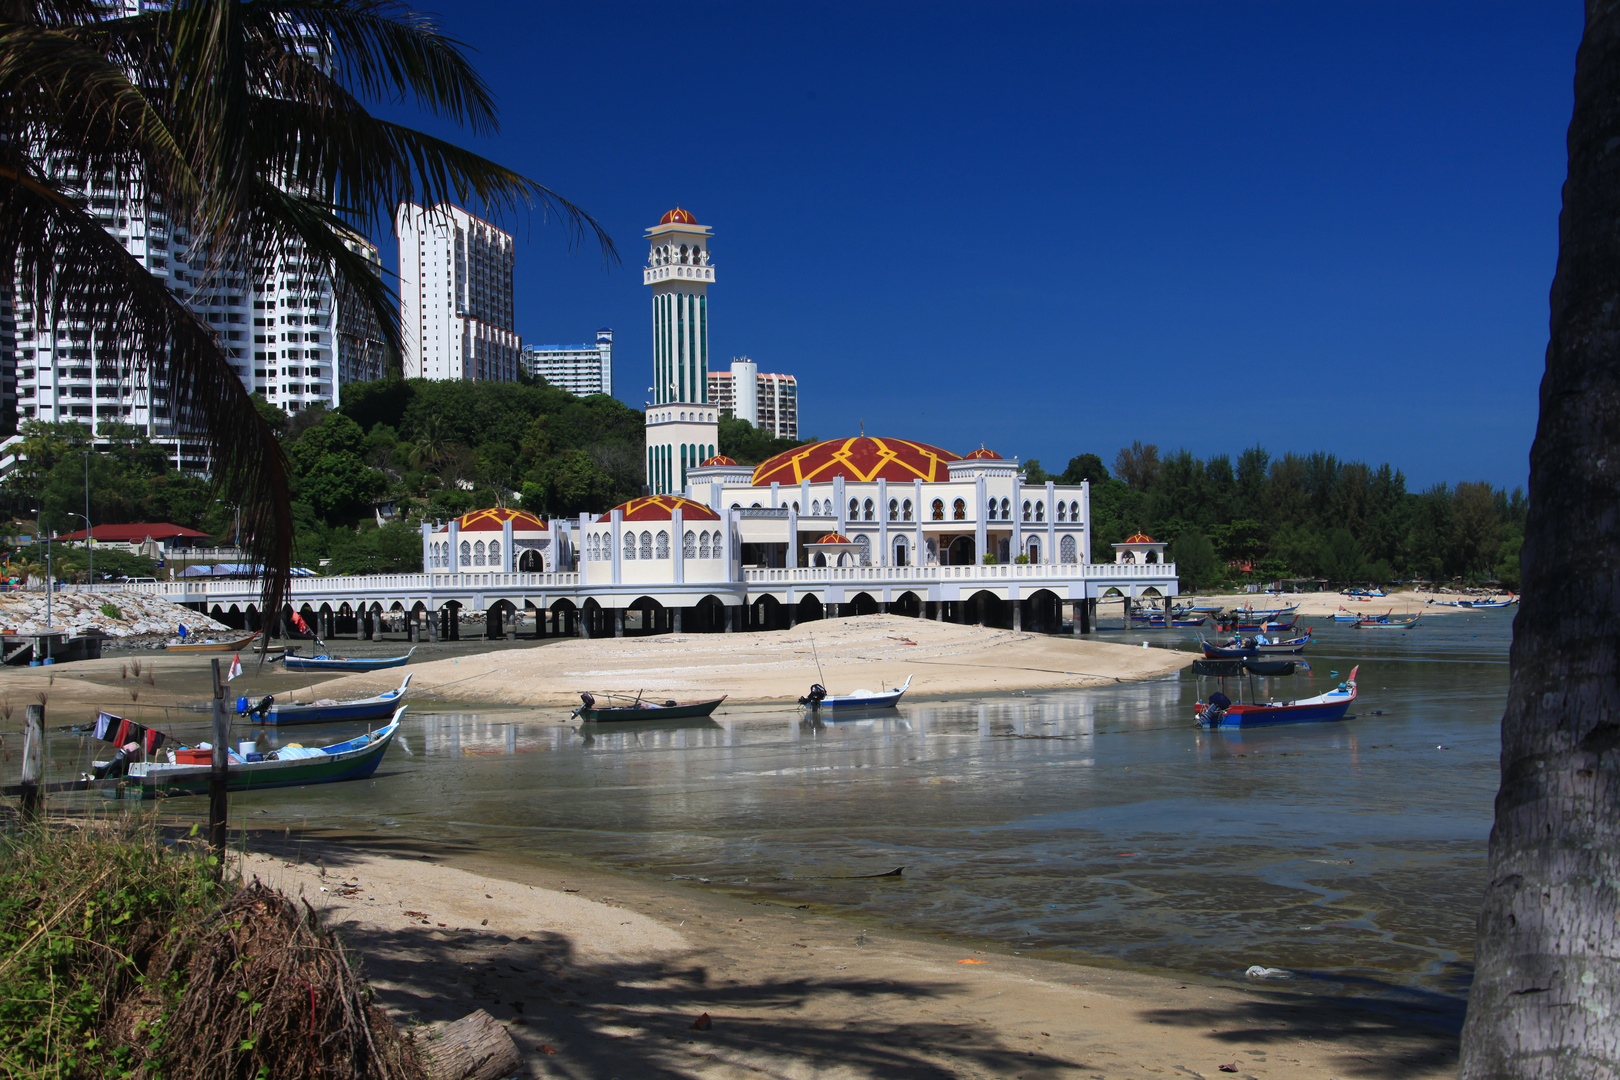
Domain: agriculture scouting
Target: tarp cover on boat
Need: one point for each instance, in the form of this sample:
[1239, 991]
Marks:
[1226, 669]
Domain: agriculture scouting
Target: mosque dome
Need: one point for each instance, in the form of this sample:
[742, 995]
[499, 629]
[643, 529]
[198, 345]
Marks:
[718, 459]
[660, 508]
[981, 454]
[493, 519]
[678, 216]
[864, 458]
[835, 538]
[1140, 538]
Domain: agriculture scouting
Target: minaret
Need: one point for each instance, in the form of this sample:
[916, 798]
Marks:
[682, 427]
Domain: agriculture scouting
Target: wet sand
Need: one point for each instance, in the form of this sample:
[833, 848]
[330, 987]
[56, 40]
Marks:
[598, 975]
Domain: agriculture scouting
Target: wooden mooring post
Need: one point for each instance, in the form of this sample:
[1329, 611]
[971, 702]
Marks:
[217, 804]
[33, 762]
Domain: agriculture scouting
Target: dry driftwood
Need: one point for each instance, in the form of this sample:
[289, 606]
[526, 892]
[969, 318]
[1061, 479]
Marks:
[475, 1047]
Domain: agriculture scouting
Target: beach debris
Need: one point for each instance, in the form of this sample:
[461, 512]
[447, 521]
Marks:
[702, 1023]
[476, 1047]
[548, 1049]
[1258, 972]
[970, 960]
[1232, 1067]
[896, 872]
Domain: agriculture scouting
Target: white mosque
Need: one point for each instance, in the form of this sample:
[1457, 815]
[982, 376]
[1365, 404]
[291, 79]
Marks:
[854, 524]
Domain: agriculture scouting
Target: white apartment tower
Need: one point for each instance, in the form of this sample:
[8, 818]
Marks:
[455, 291]
[683, 427]
[581, 369]
[768, 401]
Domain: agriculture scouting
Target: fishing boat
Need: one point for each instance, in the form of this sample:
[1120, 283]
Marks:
[1280, 627]
[1492, 603]
[1388, 624]
[641, 709]
[289, 766]
[818, 699]
[1220, 712]
[296, 662]
[1242, 648]
[1188, 621]
[1346, 615]
[266, 711]
[186, 644]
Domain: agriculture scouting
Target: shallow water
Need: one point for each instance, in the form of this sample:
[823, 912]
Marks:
[1093, 825]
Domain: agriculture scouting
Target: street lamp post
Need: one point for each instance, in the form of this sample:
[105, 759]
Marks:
[88, 546]
[89, 541]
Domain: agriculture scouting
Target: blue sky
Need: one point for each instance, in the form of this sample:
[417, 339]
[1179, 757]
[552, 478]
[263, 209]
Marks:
[1055, 229]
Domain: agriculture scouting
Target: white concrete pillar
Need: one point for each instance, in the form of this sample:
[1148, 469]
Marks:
[1085, 534]
[616, 524]
[455, 547]
[1051, 522]
[508, 556]
[885, 556]
[678, 551]
[980, 529]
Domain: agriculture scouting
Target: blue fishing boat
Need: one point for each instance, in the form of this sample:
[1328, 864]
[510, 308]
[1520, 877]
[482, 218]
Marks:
[1220, 712]
[1242, 648]
[268, 711]
[323, 662]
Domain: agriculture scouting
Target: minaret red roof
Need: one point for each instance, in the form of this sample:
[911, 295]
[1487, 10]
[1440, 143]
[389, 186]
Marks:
[678, 216]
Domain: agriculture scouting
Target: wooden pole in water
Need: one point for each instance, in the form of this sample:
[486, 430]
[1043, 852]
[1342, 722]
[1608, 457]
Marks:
[33, 763]
[217, 805]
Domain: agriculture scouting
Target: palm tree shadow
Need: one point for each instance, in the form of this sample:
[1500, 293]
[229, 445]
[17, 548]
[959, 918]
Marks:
[576, 1018]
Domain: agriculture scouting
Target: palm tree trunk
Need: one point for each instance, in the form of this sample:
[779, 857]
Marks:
[1546, 996]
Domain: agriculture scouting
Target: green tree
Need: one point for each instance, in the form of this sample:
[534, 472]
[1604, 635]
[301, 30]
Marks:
[1082, 468]
[1196, 564]
[749, 445]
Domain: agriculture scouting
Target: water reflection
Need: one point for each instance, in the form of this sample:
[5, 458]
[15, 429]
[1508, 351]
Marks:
[1095, 824]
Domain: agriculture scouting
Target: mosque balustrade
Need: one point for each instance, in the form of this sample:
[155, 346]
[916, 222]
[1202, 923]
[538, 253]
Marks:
[358, 584]
[808, 575]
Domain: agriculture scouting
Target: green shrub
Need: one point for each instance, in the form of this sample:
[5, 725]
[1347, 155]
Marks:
[110, 610]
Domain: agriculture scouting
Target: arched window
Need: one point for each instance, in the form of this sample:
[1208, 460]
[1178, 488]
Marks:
[795, 506]
[683, 449]
[900, 552]
[1034, 551]
[866, 511]
[662, 550]
[894, 509]
[703, 545]
[1026, 509]
[592, 546]
[990, 510]
[905, 510]
[865, 544]
[1006, 510]
[1153, 556]
[959, 510]
[1066, 550]
[820, 559]
[1074, 511]
[646, 545]
[815, 507]
[1062, 509]
[494, 553]
[1040, 511]
[939, 509]
[689, 544]
[854, 510]
[629, 545]
[756, 506]
[466, 553]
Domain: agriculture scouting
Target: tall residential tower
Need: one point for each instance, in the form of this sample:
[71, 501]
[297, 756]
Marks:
[683, 427]
[455, 295]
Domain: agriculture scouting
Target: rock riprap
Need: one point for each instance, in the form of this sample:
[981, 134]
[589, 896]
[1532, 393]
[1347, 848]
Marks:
[23, 613]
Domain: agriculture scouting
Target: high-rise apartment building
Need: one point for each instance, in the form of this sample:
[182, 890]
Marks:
[362, 354]
[770, 402]
[455, 291]
[580, 369]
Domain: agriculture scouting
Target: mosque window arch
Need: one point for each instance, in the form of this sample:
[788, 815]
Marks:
[867, 511]
[939, 509]
[662, 550]
[815, 507]
[1034, 551]
[990, 510]
[703, 545]
[629, 545]
[900, 552]
[1040, 511]
[494, 553]
[795, 506]
[1067, 550]
[894, 509]
[854, 510]
[1026, 509]
[1006, 510]
[1074, 511]
[592, 546]
[864, 543]
[689, 544]
[466, 553]
[959, 510]
[756, 506]
[1062, 511]
[905, 510]
[646, 545]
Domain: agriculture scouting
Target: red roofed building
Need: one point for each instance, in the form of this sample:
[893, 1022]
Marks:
[171, 538]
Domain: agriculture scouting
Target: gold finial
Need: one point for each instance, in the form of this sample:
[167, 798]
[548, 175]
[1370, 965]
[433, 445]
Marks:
[863, 429]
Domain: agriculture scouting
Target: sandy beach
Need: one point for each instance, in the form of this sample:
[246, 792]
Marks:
[603, 976]
[1326, 604]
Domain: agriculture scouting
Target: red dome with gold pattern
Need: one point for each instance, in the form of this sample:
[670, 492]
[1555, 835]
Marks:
[678, 216]
[864, 458]
[834, 538]
[718, 459]
[492, 520]
[660, 508]
[981, 454]
[1140, 538]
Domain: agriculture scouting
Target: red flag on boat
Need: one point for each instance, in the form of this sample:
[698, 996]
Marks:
[236, 667]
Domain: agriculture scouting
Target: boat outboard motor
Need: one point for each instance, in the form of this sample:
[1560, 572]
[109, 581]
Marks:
[1215, 710]
[263, 707]
[588, 700]
[815, 696]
